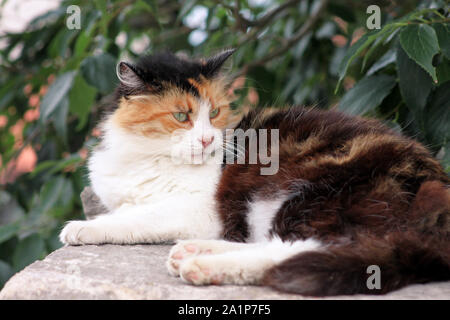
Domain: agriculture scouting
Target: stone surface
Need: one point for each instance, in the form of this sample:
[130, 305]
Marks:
[139, 272]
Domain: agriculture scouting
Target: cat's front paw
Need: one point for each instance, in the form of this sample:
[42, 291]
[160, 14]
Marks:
[224, 268]
[81, 232]
[184, 250]
[202, 270]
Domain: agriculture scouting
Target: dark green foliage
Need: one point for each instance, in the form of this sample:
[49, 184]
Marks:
[290, 52]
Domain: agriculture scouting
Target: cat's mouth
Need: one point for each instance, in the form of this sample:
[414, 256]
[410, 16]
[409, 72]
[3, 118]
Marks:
[201, 153]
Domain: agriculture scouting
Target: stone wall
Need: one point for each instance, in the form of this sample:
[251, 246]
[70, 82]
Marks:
[139, 272]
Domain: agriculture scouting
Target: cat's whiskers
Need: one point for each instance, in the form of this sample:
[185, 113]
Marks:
[231, 147]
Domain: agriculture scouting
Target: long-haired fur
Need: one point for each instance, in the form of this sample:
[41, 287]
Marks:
[371, 195]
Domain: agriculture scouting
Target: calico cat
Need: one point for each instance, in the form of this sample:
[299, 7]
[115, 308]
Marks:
[168, 111]
[349, 193]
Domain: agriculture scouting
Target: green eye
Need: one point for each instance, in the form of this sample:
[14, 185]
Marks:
[213, 113]
[180, 116]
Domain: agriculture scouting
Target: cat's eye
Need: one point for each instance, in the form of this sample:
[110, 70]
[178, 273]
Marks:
[213, 113]
[181, 116]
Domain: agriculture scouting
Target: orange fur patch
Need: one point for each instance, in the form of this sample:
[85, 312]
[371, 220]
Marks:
[153, 114]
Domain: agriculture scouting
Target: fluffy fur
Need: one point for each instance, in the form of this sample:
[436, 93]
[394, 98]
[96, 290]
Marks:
[349, 192]
[153, 172]
[370, 195]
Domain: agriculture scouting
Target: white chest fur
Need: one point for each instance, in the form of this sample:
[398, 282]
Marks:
[260, 217]
[123, 171]
[147, 180]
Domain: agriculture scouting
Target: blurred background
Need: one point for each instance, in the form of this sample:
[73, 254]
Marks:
[58, 60]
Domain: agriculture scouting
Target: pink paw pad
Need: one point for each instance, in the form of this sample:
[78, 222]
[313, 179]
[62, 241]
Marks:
[190, 248]
[191, 276]
[178, 255]
[217, 279]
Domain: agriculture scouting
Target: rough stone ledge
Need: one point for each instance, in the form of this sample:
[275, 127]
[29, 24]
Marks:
[139, 272]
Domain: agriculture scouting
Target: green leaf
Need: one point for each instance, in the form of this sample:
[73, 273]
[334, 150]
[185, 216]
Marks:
[146, 5]
[53, 242]
[326, 31]
[53, 203]
[106, 15]
[444, 157]
[61, 42]
[6, 272]
[8, 231]
[437, 116]
[66, 195]
[443, 71]
[185, 8]
[421, 44]
[342, 11]
[383, 38]
[86, 36]
[28, 250]
[81, 97]
[51, 192]
[59, 119]
[153, 4]
[56, 94]
[42, 166]
[443, 35]
[415, 84]
[354, 51]
[44, 18]
[386, 59]
[7, 93]
[83, 40]
[10, 210]
[100, 72]
[7, 142]
[263, 82]
[48, 199]
[101, 5]
[54, 166]
[367, 94]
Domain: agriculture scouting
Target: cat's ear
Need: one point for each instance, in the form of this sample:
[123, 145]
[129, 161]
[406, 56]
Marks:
[212, 65]
[128, 75]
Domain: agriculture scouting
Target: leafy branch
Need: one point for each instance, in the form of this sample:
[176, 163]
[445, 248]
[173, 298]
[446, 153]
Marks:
[289, 43]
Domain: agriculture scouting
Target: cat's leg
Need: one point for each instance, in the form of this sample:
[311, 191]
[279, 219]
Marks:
[185, 249]
[243, 266]
[163, 222]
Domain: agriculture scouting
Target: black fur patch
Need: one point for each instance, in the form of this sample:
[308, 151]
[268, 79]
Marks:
[155, 72]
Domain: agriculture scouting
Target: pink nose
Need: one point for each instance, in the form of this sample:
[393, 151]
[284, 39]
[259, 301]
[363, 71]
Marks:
[207, 141]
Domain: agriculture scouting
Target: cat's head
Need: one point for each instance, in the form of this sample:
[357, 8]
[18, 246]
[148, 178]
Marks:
[182, 105]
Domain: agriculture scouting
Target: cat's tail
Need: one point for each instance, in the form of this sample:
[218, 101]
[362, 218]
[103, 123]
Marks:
[372, 264]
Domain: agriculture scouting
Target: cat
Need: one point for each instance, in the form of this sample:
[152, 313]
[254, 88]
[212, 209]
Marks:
[349, 193]
[168, 111]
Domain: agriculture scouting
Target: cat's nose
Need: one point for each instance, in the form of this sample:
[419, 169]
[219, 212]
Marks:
[206, 141]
